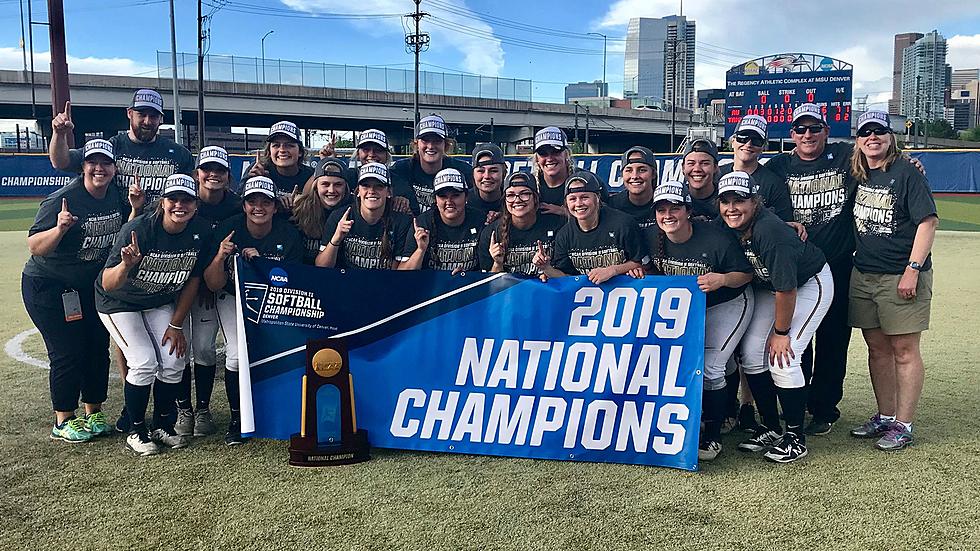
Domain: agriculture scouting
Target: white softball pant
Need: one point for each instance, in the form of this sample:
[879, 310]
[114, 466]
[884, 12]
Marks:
[228, 318]
[724, 326]
[812, 303]
[138, 335]
[204, 329]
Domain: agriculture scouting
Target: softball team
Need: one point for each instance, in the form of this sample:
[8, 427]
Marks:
[768, 288]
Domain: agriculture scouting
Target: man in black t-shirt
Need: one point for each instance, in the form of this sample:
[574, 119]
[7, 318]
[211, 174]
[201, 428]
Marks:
[140, 153]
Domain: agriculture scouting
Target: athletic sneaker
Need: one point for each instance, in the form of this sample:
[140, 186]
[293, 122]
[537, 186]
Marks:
[897, 437]
[761, 440]
[818, 428]
[234, 435]
[96, 424]
[746, 419]
[204, 423]
[71, 431]
[141, 444]
[789, 448]
[169, 438]
[872, 428]
[708, 450]
[185, 422]
[123, 424]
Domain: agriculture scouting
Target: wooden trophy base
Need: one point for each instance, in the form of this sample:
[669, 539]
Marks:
[304, 452]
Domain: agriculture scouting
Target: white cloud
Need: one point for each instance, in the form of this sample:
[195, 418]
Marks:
[481, 54]
[963, 51]
[12, 58]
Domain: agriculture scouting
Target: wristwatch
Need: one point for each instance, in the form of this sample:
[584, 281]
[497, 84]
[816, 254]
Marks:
[781, 333]
[915, 266]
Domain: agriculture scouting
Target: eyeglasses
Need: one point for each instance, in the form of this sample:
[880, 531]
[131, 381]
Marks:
[514, 197]
[877, 131]
[747, 138]
[813, 128]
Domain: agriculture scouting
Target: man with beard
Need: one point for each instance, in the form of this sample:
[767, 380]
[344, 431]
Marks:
[141, 153]
[144, 160]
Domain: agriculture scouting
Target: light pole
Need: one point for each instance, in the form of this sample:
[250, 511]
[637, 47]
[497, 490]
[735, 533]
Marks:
[604, 38]
[262, 43]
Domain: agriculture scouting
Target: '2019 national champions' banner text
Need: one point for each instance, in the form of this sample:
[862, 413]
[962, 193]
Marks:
[484, 363]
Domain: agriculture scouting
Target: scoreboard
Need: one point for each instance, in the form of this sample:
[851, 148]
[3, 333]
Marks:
[773, 86]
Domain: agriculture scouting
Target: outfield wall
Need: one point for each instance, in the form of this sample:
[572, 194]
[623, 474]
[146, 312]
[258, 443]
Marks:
[949, 171]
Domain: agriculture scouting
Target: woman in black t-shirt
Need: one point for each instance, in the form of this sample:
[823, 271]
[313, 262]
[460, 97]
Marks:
[509, 243]
[452, 228]
[69, 242]
[551, 165]
[413, 177]
[327, 191]
[891, 282]
[143, 296]
[793, 291]
[281, 160]
[679, 246]
[257, 232]
[369, 234]
[598, 241]
[639, 180]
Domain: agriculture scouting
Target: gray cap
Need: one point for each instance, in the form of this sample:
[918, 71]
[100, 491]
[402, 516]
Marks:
[484, 149]
[702, 145]
[98, 146]
[448, 178]
[373, 171]
[672, 192]
[145, 98]
[259, 184]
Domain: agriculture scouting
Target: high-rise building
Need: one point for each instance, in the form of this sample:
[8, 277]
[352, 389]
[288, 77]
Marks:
[961, 77]
[596, 89]
[660, 53]
[924, 78]
[902, 41]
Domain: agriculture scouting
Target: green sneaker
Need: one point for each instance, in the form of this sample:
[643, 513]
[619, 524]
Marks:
[71, 431]
[96, 424]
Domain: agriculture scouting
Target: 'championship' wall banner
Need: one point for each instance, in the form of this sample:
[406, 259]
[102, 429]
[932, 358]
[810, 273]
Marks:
[481, 363]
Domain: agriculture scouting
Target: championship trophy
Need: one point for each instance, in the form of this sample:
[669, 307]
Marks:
[328, 432]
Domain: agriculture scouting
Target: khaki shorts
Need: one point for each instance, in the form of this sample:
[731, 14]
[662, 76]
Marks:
[874, 303]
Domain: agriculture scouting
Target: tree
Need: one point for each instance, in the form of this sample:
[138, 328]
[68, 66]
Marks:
[971, 135]
[941, 128]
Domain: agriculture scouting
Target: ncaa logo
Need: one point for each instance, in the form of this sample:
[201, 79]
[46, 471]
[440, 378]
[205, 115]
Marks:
[278, 277]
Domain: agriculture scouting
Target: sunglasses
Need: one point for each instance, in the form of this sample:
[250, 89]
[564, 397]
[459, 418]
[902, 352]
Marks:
[750, 138]
[877, 131]
[522, 196]
[813, 128]
[548, 151]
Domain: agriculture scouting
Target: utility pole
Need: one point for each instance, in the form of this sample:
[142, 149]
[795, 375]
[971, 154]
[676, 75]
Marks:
[576, 121]
[417, 42]
[23, 41]
[30, 42]
[59, 60]
[587, 113]
[178, 131]
[672, 43]
[200, 77]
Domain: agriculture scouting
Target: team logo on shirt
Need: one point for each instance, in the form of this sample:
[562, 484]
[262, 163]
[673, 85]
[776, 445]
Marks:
[760, 269]
[673, 266]
[874, 210]
[99, 233]
[818, 198]
[164, 272]
[586, 260]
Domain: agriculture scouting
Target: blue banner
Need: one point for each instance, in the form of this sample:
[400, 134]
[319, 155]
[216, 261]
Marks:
[949, 171]
[481, 363]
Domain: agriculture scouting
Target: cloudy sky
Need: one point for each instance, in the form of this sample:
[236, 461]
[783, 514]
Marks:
[547, 43]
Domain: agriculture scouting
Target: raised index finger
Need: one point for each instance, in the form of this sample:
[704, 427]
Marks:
[541, 248]
[135, 242]
[228, 239]
[68, 110]
[493, 237]
[64, 204]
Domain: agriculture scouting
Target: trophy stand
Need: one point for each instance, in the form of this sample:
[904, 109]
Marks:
[327, 363]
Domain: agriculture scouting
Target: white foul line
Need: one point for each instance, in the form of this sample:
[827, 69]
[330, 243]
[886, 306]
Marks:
[15, 349]
[385, 320]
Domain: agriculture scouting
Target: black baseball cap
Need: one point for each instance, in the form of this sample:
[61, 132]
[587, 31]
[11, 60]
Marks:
[522, 179]
[333, 166]
[582, 180]
[484, 149]
[646, 156]
[702, 145]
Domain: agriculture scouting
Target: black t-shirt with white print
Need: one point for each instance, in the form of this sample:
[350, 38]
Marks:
[286, 184]
[451, 248]
[522, 245]
[781, 261]
[556, 195]
[644, 215]
[419, 187]
[361, 248]
[821, 191]
[229, 206]
[772, 189]
[710, 249]
[168, 261]
[615, 240]
[888, 209]
[313, 245]
[153, 162]
[283, 243]
[707, 208]
[83, 249]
